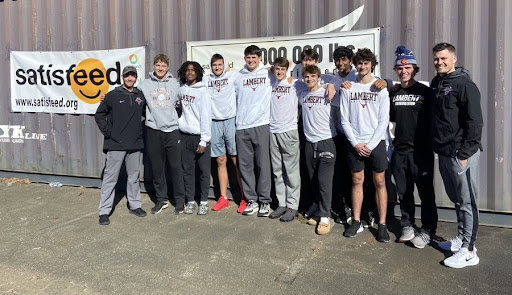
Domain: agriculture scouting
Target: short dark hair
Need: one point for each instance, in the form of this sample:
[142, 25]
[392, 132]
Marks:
[215, 58]
[442, 46]
[161, 57]
[310, 54]
[281, 62]
[252, 49]
[183, 70]
[365, 54]
[311, 69]
[343, 51]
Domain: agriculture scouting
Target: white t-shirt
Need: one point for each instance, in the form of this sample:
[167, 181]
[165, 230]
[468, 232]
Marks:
[284, 106]
[316, 116]
[365, 114]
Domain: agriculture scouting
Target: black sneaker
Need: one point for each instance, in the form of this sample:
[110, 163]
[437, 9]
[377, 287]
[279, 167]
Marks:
[277, 213]
[289, 215]
[354, 228]
[159, 207]
[382, 233]
[104, 220]
[138, 212]
[179, 209]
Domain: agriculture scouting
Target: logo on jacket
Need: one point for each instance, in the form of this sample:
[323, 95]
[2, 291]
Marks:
[447, 90]
[138, 100]
[254, 83]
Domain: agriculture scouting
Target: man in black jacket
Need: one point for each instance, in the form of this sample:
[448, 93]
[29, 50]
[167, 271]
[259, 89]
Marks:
[119, 119]
[456, 131]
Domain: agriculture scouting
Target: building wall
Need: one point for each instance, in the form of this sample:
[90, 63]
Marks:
[480, 30]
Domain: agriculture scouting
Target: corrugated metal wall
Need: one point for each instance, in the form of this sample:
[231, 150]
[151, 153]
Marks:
[480, 30]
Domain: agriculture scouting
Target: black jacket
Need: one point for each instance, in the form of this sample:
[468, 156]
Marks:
[119, 118]
[456, 115]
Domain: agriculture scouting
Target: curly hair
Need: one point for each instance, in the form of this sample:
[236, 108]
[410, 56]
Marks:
[343, 51]
[365, 54]
[183, 70]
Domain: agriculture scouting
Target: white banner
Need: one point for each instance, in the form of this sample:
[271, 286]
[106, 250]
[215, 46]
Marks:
[68, 82]
[289, 47]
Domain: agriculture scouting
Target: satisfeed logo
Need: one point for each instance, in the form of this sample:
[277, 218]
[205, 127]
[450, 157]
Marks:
[88, 79]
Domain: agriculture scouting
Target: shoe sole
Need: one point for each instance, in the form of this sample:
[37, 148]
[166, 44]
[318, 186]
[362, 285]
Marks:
[403, 240]
[419, 246]
[266, 214]
[472, 262]
[286, 220]
[104, 223]
[360, 230]
[250, 212]
[218, 209]
[138, 215]
[178, 212]
[163, 207]
[202, 213]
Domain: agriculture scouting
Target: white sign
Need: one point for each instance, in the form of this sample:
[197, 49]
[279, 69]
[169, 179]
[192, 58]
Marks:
[289, 47]
[68, 82]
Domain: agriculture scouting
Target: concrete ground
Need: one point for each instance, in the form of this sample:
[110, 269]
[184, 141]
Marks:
[51, 243]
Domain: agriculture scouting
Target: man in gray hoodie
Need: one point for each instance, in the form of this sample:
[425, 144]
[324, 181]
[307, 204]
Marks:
[163, 137]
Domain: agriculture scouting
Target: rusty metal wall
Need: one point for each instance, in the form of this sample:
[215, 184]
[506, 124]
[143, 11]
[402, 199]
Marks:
[480, 30]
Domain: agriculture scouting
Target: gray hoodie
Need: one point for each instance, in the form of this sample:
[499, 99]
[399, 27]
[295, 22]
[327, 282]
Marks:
[161, 97]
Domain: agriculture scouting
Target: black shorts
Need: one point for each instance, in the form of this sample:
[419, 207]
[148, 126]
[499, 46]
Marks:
[377, 160]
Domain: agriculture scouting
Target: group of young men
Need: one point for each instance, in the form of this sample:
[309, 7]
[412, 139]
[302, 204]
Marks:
[254, 117]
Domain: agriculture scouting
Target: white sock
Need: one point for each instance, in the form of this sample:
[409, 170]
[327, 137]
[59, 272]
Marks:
[324, 220]
[191, 203]
[204, 202]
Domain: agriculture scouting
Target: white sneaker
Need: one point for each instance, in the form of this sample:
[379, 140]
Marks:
[407, 234]
[462, 259]
[451, 245]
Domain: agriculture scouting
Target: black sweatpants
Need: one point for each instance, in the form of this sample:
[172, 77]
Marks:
[410, 169]
[164, 148]
[320, 159]
[192, 162]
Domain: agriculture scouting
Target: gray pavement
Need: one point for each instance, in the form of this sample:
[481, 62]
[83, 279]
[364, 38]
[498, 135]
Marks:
[51, 243]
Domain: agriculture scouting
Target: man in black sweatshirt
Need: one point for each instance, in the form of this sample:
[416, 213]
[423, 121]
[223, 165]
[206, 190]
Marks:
[119, 119]
[456, 133]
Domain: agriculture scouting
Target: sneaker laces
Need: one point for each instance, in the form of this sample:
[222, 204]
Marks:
[461, 253]
[425, 237]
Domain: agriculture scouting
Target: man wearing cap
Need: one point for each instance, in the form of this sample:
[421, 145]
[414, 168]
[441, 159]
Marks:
[413, 160]
[457, 138]
[119, 119]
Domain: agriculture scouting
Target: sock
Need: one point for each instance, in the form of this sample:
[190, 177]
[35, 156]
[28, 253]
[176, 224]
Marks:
[190, 203]
[204, 202]
[324, 220]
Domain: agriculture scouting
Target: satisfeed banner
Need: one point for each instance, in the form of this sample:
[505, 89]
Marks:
[68, 82]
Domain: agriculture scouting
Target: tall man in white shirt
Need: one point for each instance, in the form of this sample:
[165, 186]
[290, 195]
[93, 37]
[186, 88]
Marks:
[253, 89]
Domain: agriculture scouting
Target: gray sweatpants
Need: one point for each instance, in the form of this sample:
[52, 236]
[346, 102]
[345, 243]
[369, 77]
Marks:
[461, 186]
[254, 160]
[112, 167]
[285, 155]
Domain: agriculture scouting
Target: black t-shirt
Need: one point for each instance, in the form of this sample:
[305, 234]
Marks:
[410, 110]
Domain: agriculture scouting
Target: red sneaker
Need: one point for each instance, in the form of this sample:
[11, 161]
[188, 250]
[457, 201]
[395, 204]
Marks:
[243, 205]
[222, 203]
